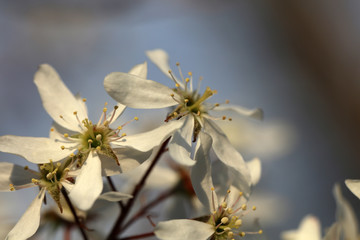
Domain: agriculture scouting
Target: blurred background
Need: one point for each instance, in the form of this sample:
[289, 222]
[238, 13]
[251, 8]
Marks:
[297, 60]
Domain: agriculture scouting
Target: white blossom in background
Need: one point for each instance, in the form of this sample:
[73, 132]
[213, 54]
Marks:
[74, 135]
[345, 227]
[190, 115]
[354, 186]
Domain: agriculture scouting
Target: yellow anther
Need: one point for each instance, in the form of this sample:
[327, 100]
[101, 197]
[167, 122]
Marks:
[177, 64]
[198, 113]
[34, 181]
[175, 114]
[217, 104]
[227, 101]
[242, 234]
[104, 109]
[228, 191]
[170, 71]
[215, 91]
[223, 117]
[186, 100]
[241, 193]
[243, 207]
[52, 129]
[84, 99]
[72, 155]
[62, 147]
[119, 128]
[260, 231]
[224, 204]
[172, 95]
[187, 79]
[212, 188]
[177, 85]
[98, 137]
[124, 134]
[58, 164]
[90, 141]
[227, 229]
[49, 176]
[230, 119]
[230, 210]
[26, 167]
[190, 73]
[61, 116]
[230, 234]
[136, 118]
[116, 107]
[254, 208]
[67, 170]
[98, 148]
[75, 112]
[214, 212]
[66, 135]
[224, 220]
[238, 223]
[12, 187]
[106, 103]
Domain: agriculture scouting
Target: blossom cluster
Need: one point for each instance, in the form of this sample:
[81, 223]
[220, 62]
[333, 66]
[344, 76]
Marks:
[79, 153]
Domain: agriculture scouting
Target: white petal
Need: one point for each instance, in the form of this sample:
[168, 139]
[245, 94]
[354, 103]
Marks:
[136, 92]
[129, 159]
[148, 140]
[14, 174]
[309, 229]
[254, 166]
[29, 222]
[256, 113]
[333, 233]
[67, 185]
[161, 59]
[33, 149]
[345, 215]
[139, 70]
[115, 196]
[229, 156]
[180, 144]
[354, 186]
[89, 184]
[57, 98]
[183, 229]
[201, 172]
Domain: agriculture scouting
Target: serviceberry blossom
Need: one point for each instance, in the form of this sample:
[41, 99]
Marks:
[191, 113]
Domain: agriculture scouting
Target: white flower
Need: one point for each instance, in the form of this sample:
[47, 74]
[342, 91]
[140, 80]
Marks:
[74, 135]
[51, 178]
[354, 186]
[191, 114]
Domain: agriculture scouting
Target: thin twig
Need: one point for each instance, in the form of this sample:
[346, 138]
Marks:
[140, 236]
[67, 199]
[117, 226]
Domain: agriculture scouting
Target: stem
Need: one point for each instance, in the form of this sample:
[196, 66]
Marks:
[113, 188]
[117, 226]
[67, 199]
[153, 203]
[140, 236]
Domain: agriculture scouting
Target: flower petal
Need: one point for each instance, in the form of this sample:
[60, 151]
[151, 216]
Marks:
[136, 92]
[345, 215]
[148, 140]
[115, 196]
[57, 98]
[333, 233]
[139, 70]
[254, 166]
[201, 172]
[14, 174]
[229, 156]
[354, 186]
[180, 145]
[183, 229]
[161, 59]
[33, 149]
[89, 184]
[309, 229]
[29, 222]
[256, 113]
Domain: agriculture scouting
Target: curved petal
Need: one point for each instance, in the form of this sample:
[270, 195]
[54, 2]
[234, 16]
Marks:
[345, 215]
[333, 233]
[29, 222]
[183, 229]
[354, 186]
[309, 229]
[89, 184]
[136, 92]
[254, 166]
[139, 70]
[180, 145]
[148, 140]
[161, 59]
[201, 173]
[256, 113]
[35, 150]
[229, 156]
[57, 98]
[115, 196]
[16, 175]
